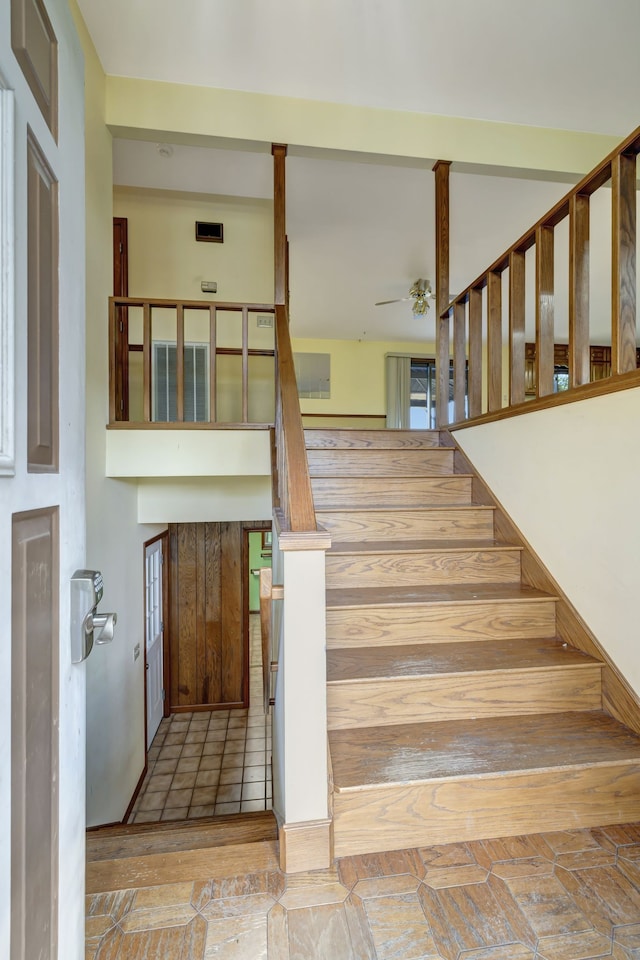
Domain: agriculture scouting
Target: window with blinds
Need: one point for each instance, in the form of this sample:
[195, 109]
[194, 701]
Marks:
[196, 382]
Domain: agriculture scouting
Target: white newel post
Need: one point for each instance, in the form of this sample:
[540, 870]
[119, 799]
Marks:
[300, 783]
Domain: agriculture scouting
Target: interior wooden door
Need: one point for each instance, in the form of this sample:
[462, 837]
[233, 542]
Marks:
[208, 641]
[154, 636]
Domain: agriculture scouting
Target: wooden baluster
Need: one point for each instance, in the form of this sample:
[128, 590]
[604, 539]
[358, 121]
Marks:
[494, 340]
[623, 268]
[213, 365]
[146, 361]
[579, 366]
[475, 352]
[459, 360]
[544, 311]
[441, 170]
[516, 326]
[180, 363]
[279, 153]
[245, 365]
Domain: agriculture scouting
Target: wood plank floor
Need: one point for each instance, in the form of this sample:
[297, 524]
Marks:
[569, 895]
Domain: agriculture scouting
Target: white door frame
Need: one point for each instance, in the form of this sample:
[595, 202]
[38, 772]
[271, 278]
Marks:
[154, 634]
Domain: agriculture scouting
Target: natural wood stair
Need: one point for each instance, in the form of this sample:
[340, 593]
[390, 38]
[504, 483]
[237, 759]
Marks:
[455, 711]
[125, 856]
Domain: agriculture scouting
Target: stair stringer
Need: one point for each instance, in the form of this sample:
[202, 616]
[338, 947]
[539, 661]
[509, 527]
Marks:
[619, 700]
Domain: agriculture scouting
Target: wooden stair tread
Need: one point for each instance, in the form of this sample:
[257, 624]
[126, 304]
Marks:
[408, 753]
[347, 547]
[349, 439]
[338, 597]
[136, 840]
[348, 664]
[181, 866]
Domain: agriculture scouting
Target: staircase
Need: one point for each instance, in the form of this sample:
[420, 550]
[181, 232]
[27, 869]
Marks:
[455, 712]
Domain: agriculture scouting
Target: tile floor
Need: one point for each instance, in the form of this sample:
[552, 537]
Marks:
[572, 895]
[206, 764]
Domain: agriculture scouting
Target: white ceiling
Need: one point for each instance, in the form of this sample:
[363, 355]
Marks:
[571, 64]
[362, 232]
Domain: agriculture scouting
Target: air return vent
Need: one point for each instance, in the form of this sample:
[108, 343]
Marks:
[210, 232]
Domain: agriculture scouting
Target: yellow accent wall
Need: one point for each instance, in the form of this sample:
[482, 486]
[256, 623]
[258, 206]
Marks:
[149, 109]
[165, 260]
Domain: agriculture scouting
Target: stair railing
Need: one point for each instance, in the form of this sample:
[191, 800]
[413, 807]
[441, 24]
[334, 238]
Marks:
[295, 635]
[475, 323]
[292, 486]
[158, 314]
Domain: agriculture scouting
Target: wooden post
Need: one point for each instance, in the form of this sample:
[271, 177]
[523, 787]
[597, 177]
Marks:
[516, 326]
[579, 365]
[544, 311]
[494, 340]
[441, 170]
[623, 269]
[279, 153]
[475, 352]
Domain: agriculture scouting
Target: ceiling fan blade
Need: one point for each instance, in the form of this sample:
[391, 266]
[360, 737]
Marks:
[381, 303]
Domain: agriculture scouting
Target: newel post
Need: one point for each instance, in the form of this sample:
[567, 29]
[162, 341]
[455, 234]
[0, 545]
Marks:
[279, 153]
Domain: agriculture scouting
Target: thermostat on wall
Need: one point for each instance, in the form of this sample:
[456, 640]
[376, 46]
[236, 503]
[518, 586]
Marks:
[210, 232]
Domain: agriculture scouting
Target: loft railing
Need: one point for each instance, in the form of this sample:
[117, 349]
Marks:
[477, 318]
[292, 486]
[136, 325]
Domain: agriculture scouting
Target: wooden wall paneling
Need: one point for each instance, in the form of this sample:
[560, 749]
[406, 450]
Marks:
[494, 340]
[42, 313]
[544, 310]
[516, 326]
[212, 654]
[188, 635]
[475, 352]
[201, 678]
[459, 360]
[232, 587]
[579, 371]
[279, 153]
[623, 263]
[441, 170]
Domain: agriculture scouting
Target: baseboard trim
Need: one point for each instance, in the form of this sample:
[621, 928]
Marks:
[618, 698]
[305, 846]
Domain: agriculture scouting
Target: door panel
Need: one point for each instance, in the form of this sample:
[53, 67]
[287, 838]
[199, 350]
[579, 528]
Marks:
[209, 650]
[154, 637]
[42, 500]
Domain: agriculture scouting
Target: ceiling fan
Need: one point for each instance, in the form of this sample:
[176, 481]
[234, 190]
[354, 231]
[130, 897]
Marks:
[420, 293]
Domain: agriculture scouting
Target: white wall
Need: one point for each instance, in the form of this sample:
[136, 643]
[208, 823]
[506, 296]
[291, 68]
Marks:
[115, 683]
[569, 479]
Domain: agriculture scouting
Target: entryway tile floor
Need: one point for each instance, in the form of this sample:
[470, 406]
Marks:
[208, 764]
[568, 895]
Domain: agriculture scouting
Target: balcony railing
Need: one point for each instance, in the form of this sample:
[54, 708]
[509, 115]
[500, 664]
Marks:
[217, 366]
[477, 313]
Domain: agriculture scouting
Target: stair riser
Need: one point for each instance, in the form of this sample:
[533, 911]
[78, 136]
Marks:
[430, 623]
[468, 566]
[390, 492]
[366, 703]
[375, 463]
[479, 808]
[371, 439]
[438, 524]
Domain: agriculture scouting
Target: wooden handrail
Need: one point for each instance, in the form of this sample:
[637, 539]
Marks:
[620, 168]
[293, 484]
[119, 349]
